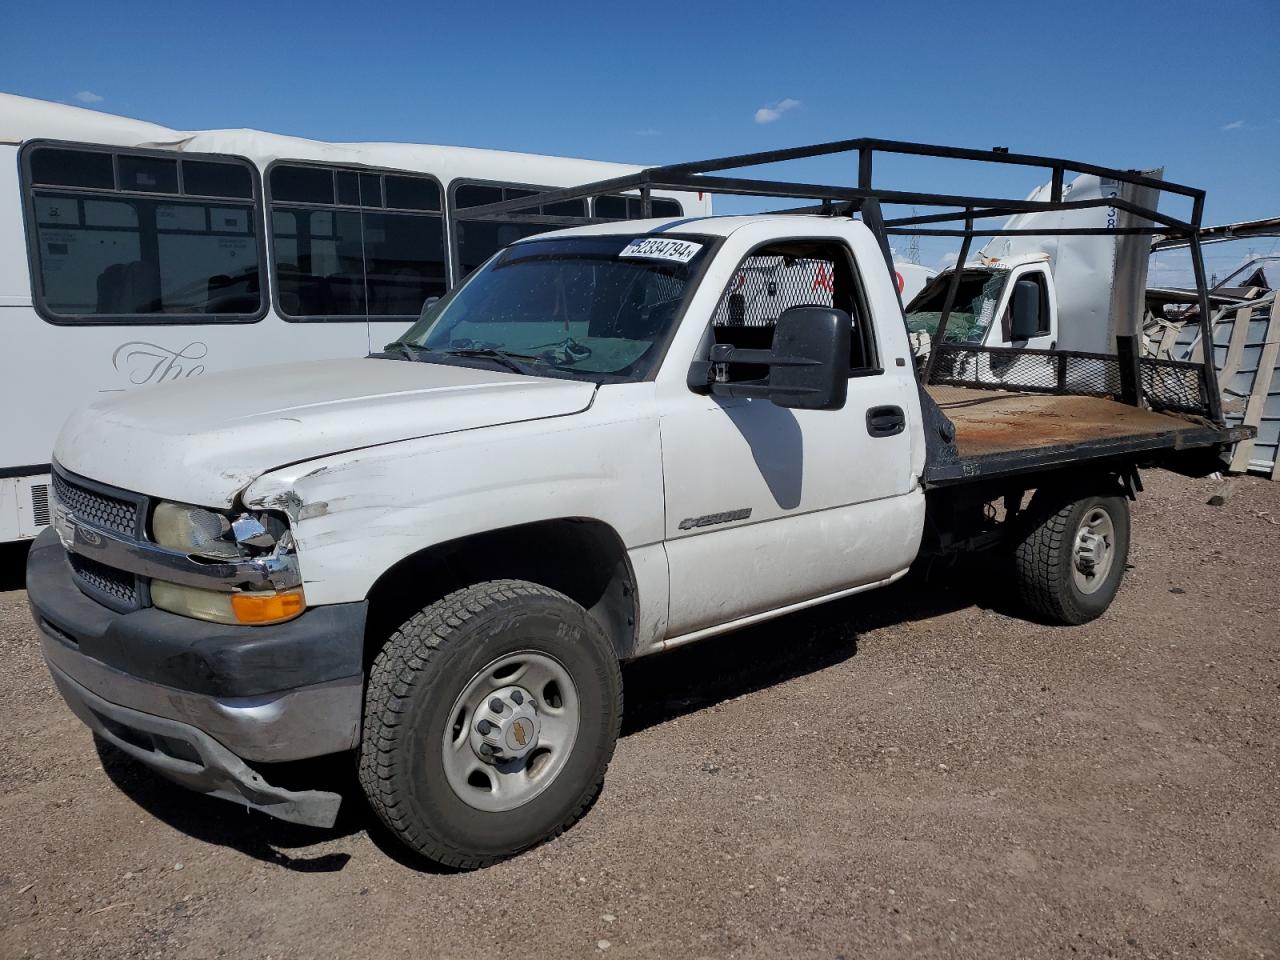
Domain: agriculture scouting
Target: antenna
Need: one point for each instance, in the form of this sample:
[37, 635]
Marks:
[913, 248]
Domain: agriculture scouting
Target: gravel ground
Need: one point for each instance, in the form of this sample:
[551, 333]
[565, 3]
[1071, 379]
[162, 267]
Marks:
[910, 773]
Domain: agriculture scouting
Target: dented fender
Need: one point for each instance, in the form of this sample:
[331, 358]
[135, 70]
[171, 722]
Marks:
[355, 515]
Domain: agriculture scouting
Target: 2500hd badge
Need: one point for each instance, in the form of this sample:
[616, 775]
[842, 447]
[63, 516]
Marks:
[711, 519]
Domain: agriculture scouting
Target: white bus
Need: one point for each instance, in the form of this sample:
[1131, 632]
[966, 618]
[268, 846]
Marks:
[131, 254]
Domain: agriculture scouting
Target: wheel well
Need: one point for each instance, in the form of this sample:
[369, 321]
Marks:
[583, 559]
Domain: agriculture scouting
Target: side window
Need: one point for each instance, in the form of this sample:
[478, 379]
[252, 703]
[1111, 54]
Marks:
[618, 207]
[774, 278]
[352, 243]
[477, 240]
[1006, 320]
[120, 236]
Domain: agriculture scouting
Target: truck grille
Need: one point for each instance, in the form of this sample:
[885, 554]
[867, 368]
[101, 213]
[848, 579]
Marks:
[99, 509]
[108, 583]
[119, 512]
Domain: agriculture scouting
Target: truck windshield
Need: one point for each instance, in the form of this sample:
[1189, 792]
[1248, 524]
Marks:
[972, 313]
[579, 306]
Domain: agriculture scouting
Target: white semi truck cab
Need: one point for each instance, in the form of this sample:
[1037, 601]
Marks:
[434, 559]
[985, 313]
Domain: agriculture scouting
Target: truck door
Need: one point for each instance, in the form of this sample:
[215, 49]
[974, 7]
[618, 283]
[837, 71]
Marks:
[767, 506]
[1025, 318]
[1007, 333]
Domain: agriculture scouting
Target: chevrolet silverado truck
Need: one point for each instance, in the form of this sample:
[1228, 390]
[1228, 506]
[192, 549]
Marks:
[435, 559]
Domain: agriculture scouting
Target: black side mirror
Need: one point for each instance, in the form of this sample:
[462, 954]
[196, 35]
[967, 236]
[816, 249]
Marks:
[810, 366]
[808, 363]
[1025, 306]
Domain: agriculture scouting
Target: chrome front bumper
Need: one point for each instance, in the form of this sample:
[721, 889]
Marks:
[192, 758]
[308, 721]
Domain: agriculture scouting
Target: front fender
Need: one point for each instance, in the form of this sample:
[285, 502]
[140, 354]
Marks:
[356, 515]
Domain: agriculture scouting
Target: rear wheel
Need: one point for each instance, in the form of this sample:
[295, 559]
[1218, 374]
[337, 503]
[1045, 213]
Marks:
[490, 718]
[1071, 558]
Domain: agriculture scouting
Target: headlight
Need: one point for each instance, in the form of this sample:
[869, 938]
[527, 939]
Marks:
[212, 535]
[192, 530]
[209, 533]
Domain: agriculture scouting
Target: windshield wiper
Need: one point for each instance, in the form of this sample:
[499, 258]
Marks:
[509, 360]
[415, 351]
[411, 351]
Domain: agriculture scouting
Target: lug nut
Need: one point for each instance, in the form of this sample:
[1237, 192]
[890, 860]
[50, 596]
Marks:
[487, 749]
[496, 705]
[517, 697]
[484, 726]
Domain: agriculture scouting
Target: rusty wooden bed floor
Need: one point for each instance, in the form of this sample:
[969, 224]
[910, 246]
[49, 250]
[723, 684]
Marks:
[1002, 432]
[996, 421]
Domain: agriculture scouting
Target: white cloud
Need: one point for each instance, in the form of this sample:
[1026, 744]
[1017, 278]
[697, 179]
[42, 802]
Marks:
[1233, 125]
[88, 96]
[647, 132]
[948, 259]
[768, 114]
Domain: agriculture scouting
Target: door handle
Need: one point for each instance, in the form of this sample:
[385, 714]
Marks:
[886, 421]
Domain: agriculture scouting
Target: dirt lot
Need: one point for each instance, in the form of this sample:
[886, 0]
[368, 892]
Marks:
[915, 773]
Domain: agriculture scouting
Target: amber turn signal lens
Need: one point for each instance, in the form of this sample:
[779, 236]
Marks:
[267, 607]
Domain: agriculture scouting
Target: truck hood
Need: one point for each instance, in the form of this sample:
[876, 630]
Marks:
[203, 440]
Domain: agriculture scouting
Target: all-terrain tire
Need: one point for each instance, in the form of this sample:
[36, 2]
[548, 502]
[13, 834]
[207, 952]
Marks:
[1044, 556]
[414, 683]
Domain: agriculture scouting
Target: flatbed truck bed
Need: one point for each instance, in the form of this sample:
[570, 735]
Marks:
[1007, 432]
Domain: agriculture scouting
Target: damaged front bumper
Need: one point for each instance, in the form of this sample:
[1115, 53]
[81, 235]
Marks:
[190, 757]
[200, 702]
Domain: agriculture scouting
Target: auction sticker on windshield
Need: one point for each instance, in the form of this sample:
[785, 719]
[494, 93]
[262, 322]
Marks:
[661, 248]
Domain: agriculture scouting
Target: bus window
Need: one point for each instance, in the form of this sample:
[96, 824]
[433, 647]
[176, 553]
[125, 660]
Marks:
[121, 236]
[477, 240]
[347, 244]
[616, 207]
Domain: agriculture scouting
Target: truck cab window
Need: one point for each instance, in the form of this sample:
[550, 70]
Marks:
[582, 307]
[120, 236]
[773, 279]
[1006, 319]
[974, 308]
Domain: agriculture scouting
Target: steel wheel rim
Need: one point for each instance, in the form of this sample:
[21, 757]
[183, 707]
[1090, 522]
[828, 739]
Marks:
[1093, 552]
[495, 783]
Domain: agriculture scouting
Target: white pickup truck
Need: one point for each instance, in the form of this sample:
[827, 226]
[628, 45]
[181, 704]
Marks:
[437, 557]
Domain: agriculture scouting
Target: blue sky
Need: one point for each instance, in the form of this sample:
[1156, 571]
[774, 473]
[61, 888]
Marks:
[661, 82]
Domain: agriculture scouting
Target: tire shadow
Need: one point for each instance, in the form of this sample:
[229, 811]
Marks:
[658, 688]
[691, 678]
[227, 824]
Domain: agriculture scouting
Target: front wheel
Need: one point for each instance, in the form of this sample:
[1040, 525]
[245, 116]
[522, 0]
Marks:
[1072, 556]
[490, 718]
